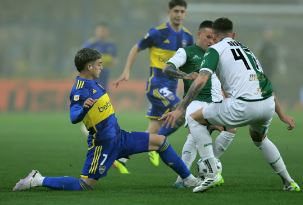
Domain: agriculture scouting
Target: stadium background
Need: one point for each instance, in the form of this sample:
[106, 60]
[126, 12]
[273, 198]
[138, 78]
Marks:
[38, 40]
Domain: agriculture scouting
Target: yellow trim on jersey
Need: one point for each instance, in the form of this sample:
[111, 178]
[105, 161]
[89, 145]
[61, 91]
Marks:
[157, 94]
[161, 26]
[80, 84]
[149, 80]
[186, 30]
[83, 176]
[158, 57]
[94, 164]
[101, 110]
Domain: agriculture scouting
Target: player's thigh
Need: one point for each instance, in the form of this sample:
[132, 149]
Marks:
[193, 107]
[133, 143]
[162, 100]
[99, 159]
[229, 113]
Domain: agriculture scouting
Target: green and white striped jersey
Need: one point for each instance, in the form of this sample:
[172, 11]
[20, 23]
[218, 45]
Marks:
[238, 70]
[188, 60]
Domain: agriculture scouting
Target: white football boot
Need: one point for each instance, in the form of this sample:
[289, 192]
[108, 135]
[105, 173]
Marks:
[192, 181]
[209, 182]
[293, 186]
[33, 179]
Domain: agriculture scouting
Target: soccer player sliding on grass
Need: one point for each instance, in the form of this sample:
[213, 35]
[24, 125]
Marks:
[106, 141]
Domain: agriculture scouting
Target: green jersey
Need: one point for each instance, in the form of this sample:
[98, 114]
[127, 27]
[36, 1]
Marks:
[189, 60]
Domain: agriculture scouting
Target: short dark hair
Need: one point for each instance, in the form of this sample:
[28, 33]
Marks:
[84, 56]
[206, 24]
[223, 25]
[101, 23]
[174, 3]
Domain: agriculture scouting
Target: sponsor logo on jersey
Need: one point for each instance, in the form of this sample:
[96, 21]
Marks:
[104, 107]
[196, 57]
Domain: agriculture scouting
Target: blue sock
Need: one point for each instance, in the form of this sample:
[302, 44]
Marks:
[167, 131]
[65, 183]
[170, 158]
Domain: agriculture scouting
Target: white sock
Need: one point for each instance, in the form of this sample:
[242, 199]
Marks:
[189, 153]
[203, 142]
[274, 159]
[222, 142]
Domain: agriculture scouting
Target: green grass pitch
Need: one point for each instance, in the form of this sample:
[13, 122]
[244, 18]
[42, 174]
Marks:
[50, 143]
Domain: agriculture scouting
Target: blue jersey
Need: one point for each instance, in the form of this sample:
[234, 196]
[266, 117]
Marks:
[162, 42]
[106, 141]
[100, 119]
[107, 48]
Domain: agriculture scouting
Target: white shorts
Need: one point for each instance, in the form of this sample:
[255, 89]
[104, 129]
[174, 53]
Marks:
[233, 113]
[193, 107]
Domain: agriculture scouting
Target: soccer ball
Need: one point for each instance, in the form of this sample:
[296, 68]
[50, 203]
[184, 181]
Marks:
[203, 170]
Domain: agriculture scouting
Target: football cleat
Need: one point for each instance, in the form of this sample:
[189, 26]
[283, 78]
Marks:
[121, 167]
[209, 183]
[193, 182]
[30, 181]
[154, 158]
[293, 186]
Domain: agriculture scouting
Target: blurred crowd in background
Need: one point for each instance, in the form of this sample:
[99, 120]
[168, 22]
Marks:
[38, 38]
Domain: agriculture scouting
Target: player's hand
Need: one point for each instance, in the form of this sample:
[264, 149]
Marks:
[123, 77]
[191, 76]
[89, 102]
[289, 121]
[171, 118]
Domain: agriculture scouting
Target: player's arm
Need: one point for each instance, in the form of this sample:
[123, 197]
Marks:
[174, 63]
[128, 66]
[173, 72]
[283, 117]
[195, 89]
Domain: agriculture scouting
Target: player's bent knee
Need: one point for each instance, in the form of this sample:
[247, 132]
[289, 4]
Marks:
[198, 116]
[256, 137]
[155, 141]
[232, 130]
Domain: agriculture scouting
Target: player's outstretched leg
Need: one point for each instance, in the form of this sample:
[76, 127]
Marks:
[171, 159]
[35, 179]
[272, 156]
[189, 152]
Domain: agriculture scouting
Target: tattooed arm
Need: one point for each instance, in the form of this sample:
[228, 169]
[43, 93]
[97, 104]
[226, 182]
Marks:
[194, 89]
[172, 117]
[175, 73]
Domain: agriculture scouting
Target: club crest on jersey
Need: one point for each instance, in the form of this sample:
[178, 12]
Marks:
[94, 91]
[102, 169]
[76, 97]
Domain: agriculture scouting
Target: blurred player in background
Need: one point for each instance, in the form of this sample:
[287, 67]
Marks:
[162, 42]
[250, 101]
[182, 65]
[107, 141]
[102, 43]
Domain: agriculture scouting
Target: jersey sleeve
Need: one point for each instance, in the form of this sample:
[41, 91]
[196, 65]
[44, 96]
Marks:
[148, 40]
[77, 99]
[210, 60]
[179, 59]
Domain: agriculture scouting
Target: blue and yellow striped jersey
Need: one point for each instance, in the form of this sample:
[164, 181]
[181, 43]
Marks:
[100, 118]
[163, 42]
